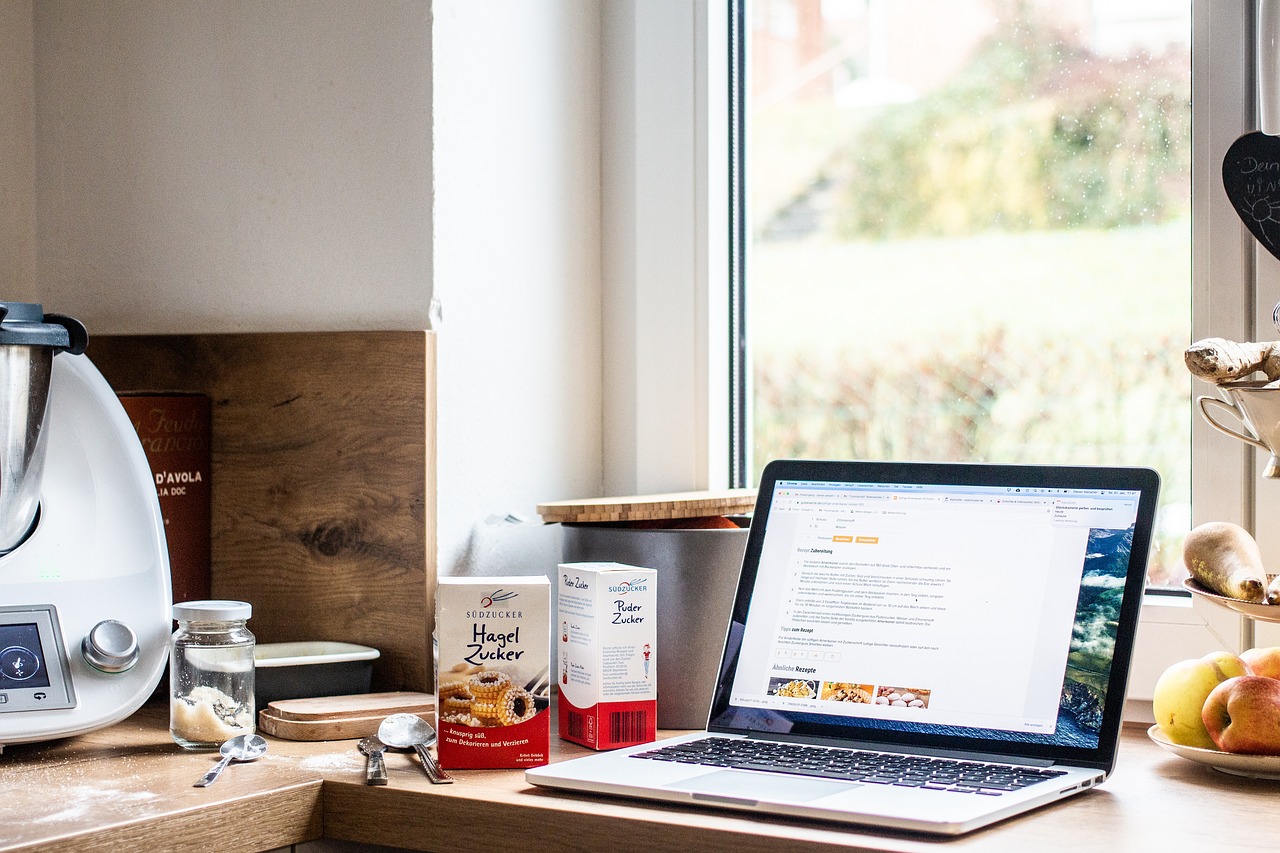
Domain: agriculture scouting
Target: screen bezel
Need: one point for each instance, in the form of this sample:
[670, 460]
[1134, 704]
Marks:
[59, 693]
[802, 726]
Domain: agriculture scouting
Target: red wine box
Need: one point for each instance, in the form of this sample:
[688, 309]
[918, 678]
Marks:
[492, 696]
[174, 429]
[606, 623]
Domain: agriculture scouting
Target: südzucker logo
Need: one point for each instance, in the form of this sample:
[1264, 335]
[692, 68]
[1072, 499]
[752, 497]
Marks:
[490, 602]
[633, 585]
[497, 597]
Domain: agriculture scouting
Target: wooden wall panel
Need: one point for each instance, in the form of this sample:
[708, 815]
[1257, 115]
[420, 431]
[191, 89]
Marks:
[323, 488]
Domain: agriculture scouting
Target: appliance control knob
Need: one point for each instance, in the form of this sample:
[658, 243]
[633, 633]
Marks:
[111, 646]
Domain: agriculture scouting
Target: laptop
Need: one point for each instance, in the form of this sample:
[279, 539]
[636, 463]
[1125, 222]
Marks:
[915, 646]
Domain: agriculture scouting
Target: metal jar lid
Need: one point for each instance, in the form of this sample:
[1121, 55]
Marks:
[212, 611]
[26, 324]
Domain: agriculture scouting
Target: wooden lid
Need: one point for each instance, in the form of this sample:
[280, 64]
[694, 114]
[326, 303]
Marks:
[339, 717]
[650, 507]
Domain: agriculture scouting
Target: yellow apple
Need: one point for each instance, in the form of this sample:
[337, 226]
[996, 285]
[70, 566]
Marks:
[1242, 714]
[1181, 693]
[1230, 664]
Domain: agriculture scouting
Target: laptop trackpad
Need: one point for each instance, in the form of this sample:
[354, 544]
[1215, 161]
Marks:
[746, 785]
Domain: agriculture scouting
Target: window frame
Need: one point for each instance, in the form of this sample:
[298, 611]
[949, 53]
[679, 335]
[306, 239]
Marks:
[1236, 282]
[1231, 277]
[665, 245]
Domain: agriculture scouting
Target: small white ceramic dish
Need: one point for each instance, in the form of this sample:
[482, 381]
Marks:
[1256, 610]
[1236, 764]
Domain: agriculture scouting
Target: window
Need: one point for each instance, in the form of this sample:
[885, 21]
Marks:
[970, 235]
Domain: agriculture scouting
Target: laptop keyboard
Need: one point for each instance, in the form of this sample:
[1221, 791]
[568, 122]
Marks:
[873, 768]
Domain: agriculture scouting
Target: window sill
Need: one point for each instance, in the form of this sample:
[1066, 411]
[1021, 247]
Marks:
[1169, 609]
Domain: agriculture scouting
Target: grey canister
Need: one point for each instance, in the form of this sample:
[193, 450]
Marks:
[697, 577]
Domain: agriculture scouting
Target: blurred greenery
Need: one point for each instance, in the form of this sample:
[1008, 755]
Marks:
[1032, 134]
[990, 400]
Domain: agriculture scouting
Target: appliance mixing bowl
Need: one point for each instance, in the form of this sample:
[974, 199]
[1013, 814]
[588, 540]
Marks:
[24, 401]
[29, 338]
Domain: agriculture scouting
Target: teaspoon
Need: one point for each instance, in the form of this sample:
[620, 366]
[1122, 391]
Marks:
[376, 769]
[239, 748]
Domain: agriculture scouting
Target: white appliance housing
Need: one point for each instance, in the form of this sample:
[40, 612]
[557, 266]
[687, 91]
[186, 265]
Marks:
[91, 582]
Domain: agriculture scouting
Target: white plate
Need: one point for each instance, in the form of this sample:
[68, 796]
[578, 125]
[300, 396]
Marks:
[1261, 612]
[1251, 766]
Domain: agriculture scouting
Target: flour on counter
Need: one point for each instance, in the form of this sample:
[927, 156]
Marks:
[340, 761]
[86, 801]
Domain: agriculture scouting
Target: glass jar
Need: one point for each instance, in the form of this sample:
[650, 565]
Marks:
[210, 673]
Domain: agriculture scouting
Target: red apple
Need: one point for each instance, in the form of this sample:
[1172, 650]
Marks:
[1242, 714]
[1264, 661]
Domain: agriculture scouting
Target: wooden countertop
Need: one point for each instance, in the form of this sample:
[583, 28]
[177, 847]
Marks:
[129, 787]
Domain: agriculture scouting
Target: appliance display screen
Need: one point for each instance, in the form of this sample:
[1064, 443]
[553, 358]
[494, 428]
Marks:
[22, 661]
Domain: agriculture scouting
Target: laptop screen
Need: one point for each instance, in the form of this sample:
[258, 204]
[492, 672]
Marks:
[959, 606]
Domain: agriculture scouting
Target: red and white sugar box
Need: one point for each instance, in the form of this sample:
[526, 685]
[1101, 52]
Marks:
[492, 678]
[607, 639]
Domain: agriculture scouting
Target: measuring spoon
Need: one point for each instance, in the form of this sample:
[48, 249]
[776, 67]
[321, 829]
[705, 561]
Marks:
[409, 731]
[239, 748]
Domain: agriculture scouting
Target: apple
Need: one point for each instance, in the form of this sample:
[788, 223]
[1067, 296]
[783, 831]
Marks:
[1242, 714]
[1264, 661]
[1229, 663]
[1181, 692]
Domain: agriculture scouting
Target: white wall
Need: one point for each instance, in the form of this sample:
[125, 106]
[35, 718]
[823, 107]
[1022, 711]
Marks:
[235, 165]
[17, 153]
[517, 273]
[290, 165]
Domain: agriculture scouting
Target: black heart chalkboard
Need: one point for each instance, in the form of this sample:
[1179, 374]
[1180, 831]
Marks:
[1251, 176]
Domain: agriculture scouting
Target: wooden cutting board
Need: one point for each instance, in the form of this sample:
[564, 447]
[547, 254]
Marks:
[339, 717]
[650, 507]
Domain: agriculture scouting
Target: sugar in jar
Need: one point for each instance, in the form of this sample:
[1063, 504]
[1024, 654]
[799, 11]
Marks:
[211, 673]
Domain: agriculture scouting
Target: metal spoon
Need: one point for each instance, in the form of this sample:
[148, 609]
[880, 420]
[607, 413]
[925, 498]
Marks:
[239, 748]
[375, 772]
[409, 731]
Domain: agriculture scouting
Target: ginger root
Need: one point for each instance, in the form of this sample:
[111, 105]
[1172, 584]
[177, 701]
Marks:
[1218, 360]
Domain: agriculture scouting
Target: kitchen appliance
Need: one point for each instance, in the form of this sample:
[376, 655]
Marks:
[84, 571]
